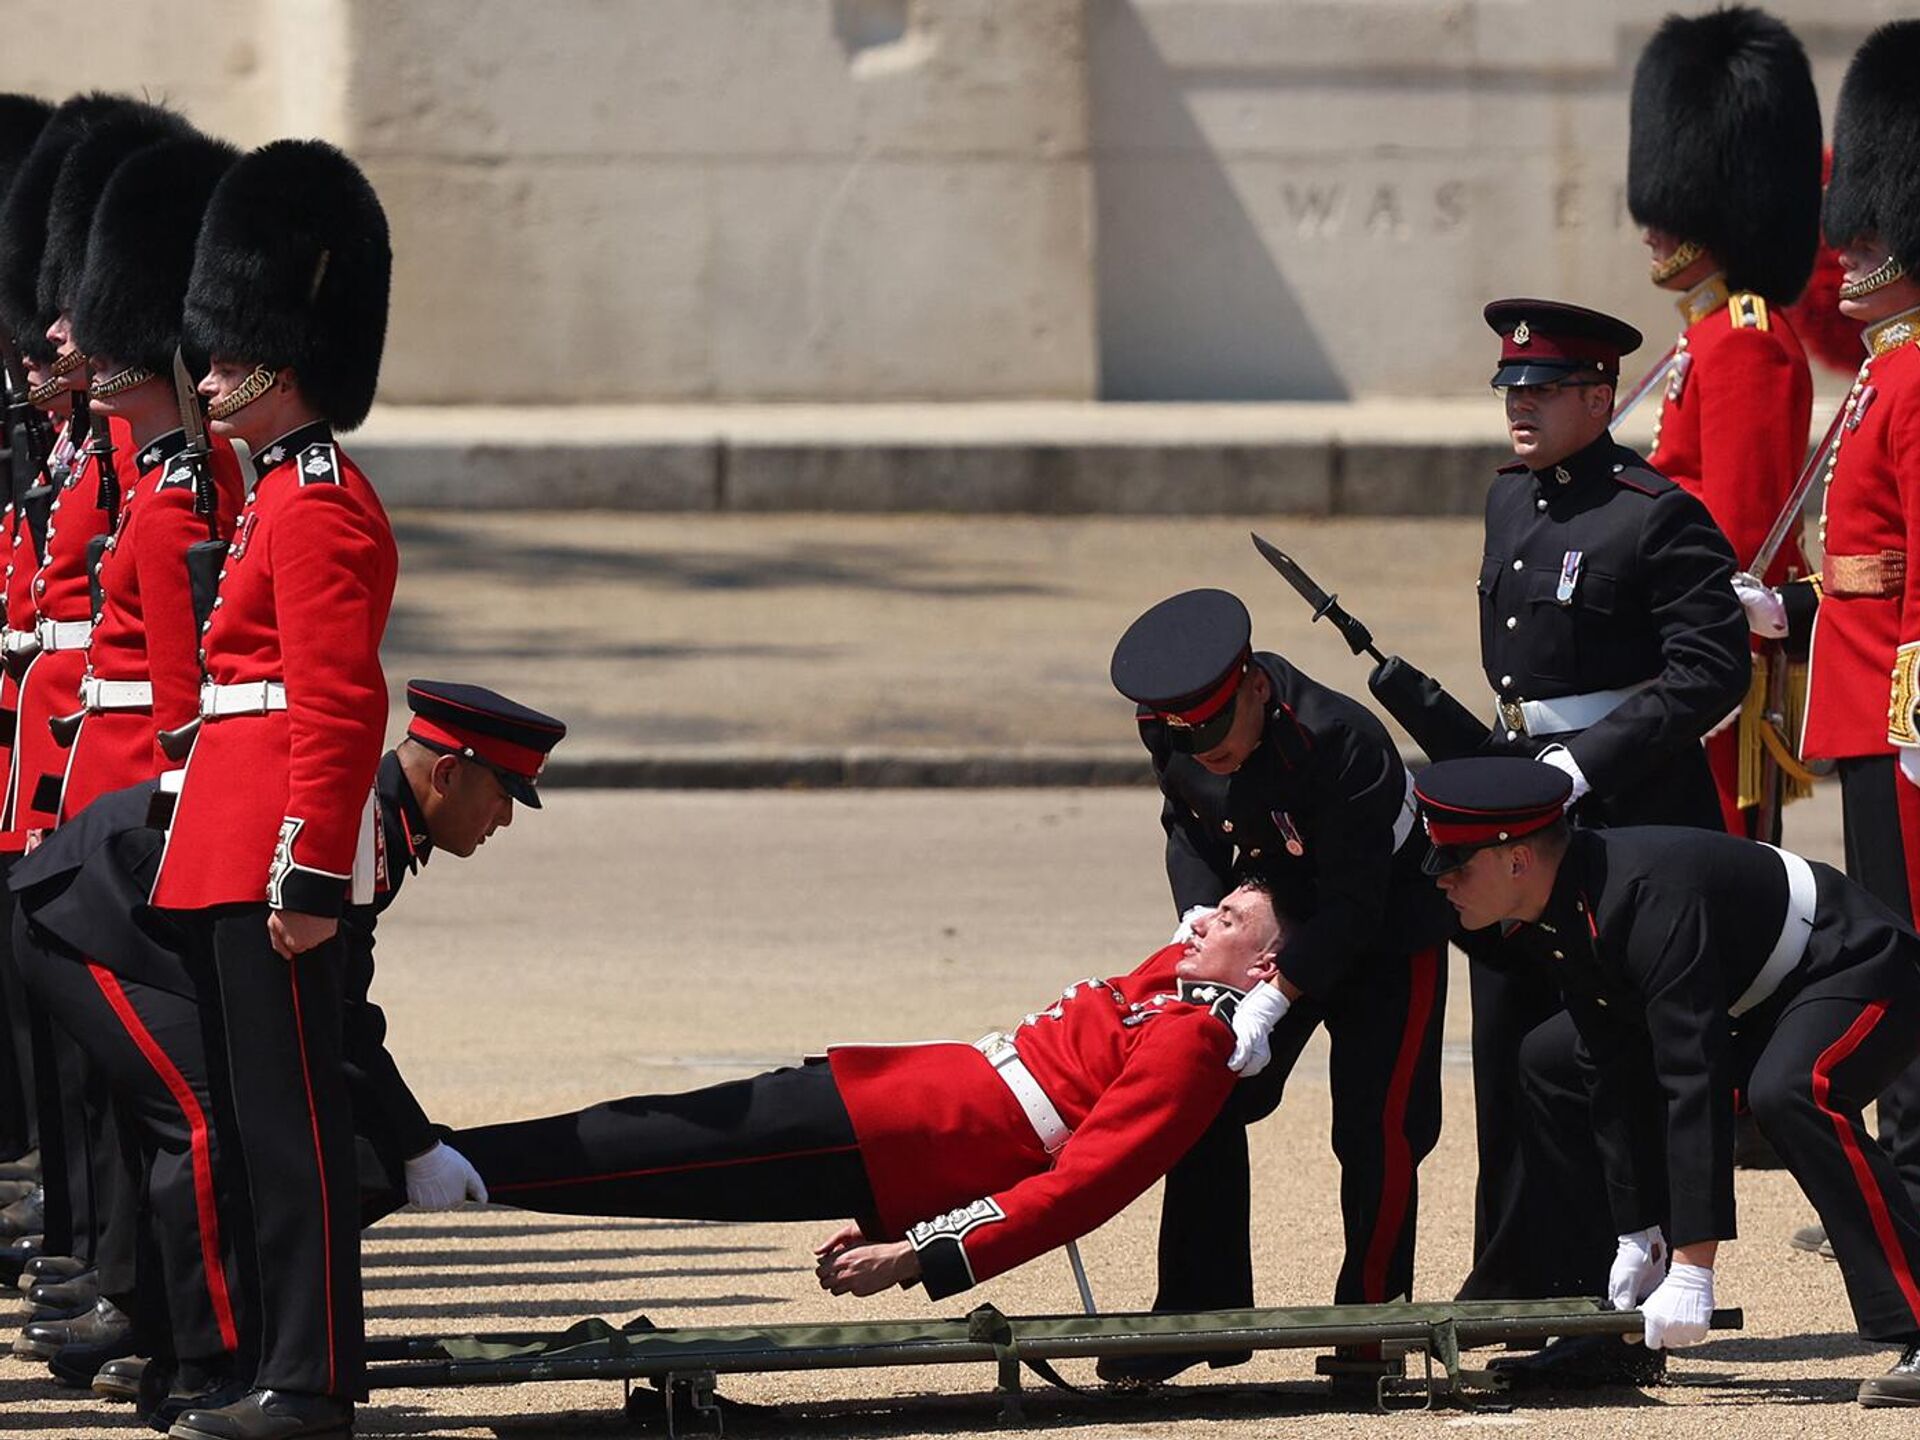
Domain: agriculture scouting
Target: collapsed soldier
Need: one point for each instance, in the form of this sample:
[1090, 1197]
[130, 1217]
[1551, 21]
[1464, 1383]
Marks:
[956, 1162]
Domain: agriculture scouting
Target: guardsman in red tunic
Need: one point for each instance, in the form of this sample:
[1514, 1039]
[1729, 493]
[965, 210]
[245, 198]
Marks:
[1723, 173]
[142, 675]
[957, 1161]
[273, 831]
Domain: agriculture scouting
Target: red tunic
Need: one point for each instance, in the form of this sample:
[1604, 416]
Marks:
[1733, 433]
[274, 806]
[1874, 474]
[146, 627]
[51, 686]
[1135, 1066]
[23, 564]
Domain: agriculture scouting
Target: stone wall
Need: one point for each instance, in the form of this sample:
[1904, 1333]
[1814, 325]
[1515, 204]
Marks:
[743, 200]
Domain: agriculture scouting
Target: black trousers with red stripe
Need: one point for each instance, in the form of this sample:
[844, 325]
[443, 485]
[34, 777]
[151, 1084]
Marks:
[778, 1146]
[1828, 1057]
[147, 1043]
[285, 1114]
[19, 1126]
[1383, 1028]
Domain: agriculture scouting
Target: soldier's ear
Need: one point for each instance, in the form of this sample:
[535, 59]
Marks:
[445, 767]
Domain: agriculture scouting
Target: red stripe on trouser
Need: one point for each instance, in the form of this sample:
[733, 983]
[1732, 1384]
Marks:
[1396, 1184]
[205, 1205]
[691, 1165]
[319, 1166]
[1890, 1247]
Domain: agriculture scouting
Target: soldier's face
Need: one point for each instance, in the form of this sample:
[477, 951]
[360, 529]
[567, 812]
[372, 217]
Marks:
[1243, 736]
[1862, 260]
[1484, 890]
[60, 336]
[1547, 423]
[1234, 945]
[1661, 245]
[467, 804]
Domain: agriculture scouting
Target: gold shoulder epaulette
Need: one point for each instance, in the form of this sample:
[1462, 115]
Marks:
[1749, 311]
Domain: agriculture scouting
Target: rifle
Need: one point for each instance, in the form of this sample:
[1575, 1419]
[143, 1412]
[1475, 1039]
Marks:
[204, 557]
[1439, 724]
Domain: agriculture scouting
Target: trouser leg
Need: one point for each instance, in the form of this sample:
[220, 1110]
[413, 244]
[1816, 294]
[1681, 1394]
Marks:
[1570, 1226]
[778, 1146]
[1825, 1060]
[291, 1129]
[1509, 1000]
[1384, 1070]
[1205, 1251]
[18, 1122]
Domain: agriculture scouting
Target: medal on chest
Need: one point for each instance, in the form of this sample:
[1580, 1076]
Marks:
[1569, 576]
[1289, 833]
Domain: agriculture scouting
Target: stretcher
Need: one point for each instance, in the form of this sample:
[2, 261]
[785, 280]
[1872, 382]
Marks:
[685, 1363]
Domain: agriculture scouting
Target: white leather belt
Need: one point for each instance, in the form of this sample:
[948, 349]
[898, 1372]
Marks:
[1409, 812]
[63, 634]
[1795, 930]
[97, 694]
[14, 642]
[1046, 1121]
[255, 697]
[1563, 713]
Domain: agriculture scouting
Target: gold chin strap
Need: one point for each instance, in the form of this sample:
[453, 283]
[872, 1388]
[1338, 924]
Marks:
[1684, 254]
[66, 364]
[1883, 275]
[105, 387]
[43, 392]
[243, 394]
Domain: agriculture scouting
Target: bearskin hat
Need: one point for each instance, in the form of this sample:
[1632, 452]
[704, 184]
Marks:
[292, 269]
[23, 216]
[1724, 146]
[84, 173]
[1875, 189]
[133, 291]
[22, 118]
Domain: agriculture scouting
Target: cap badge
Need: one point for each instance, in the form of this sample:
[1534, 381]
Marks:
[1521, 334]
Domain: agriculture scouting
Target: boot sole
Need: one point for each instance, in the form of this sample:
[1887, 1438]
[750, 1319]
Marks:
[33, 1349]
[116, 1389]
[189, 1432]
[1871, 1399]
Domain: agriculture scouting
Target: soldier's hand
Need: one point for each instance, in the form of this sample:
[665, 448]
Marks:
[1766, 611]
[868, 1269]
[1265, 1005]
[440, 1178]
[1639, 1264]
[293, 932]
[1680, 1312]
[844, 1238]
[1183, 932]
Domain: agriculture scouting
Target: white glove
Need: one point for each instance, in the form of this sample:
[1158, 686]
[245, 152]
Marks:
[1638, 1266]
[1183, 932]
[1681, 1311]
[1562, 760]
[1766, 611]
[1253, 1021]
[440, 1178]
[1910, 763]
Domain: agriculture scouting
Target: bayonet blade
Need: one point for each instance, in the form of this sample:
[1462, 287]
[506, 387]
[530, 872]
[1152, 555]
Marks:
[188, 396]
[1291, 572]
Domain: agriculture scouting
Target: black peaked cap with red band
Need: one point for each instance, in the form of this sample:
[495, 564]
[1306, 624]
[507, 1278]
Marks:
[479, 724]
[1543, 341]
[1483, 800]
[1182, 663]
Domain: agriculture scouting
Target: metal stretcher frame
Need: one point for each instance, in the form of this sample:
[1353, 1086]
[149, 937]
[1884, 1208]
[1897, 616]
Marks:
[686, 1361]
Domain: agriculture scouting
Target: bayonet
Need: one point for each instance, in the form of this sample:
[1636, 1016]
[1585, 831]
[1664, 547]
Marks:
[1325, 607]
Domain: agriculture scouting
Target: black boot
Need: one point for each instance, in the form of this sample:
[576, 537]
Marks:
[1899, 1386]
[103, 1323]
[121, 1378]
[76, 1363]
[15, 1255]
[269, 1415]
[26, 1216]
[77, 1292]
[1141, 1370]
[40, 1267]
[1583, 1362]
[23, 1167]
[12, 1190]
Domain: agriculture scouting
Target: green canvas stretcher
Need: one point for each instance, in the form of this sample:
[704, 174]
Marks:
[685, 1362]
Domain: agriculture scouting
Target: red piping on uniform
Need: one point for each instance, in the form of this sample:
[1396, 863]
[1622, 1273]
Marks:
[1890, 1247]
[203, 1198]
[1396, 1186]
[670, 1169]
[319, 1165]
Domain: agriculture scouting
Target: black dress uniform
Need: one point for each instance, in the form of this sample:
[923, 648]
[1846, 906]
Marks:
[1608, 625]
[1693, 965]
[1319, 810]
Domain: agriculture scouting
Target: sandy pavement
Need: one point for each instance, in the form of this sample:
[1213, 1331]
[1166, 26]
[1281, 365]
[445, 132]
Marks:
[621, 942]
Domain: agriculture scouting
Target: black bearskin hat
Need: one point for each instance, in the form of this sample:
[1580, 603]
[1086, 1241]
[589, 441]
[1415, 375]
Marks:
[1876, 146]
[1724, 146]
[23, 216]
[292, 269]
[22, 118]
[133, 292]
[84, 173]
